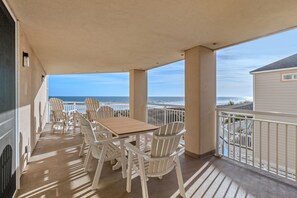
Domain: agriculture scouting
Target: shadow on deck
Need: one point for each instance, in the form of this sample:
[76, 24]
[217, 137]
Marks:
[55, 170]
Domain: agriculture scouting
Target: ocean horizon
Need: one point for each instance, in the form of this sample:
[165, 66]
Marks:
[174, 100]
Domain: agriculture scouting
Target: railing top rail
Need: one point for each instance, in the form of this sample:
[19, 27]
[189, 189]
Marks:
[126, 103]
[260, 120]
[79, 102]
[72, 102]
[166, 105]
[249, 112]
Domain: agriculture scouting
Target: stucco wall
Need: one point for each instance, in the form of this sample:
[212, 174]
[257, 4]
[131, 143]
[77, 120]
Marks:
[33, 97]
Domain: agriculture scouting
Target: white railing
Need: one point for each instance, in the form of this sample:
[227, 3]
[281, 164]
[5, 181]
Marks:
[157, 114]
[120, 109]
[161, 114]
[264, 140]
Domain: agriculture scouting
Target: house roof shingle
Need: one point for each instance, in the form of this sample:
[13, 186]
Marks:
[286, 63]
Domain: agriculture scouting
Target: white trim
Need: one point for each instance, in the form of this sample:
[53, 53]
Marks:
[18, 104]
[291, 74]
[273, 70]
[9, 10]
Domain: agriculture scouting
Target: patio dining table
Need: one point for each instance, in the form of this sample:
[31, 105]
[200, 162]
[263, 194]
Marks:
[126, 127]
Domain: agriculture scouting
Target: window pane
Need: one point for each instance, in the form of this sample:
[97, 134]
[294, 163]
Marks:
[287, 77]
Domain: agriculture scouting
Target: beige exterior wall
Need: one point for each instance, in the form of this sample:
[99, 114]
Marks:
[138, 94]
[271, 94]
[200, 100]
[33, 98]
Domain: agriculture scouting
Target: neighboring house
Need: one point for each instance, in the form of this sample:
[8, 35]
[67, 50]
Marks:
[275, 86]
[275, 90]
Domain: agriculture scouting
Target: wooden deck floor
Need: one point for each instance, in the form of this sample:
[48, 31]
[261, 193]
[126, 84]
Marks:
[55, 170]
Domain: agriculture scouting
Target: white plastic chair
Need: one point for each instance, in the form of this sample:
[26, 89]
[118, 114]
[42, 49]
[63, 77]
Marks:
[101, 147]
[92, 104]
[163, 157]
[59, 116]
[102, 112]
[86, 141]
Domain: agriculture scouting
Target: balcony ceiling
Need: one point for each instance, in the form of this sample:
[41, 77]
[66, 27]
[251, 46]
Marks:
[118, 35]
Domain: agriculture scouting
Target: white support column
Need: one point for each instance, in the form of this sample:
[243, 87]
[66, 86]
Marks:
[138, 94]
[200, 100]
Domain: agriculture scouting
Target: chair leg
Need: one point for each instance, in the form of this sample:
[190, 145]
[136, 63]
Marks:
[99, 168]
[143, 178]
[97, 174]
[129, 172]
[88, 157]
[82, 148]
[53, 128]
[63, 125]
[179, 178]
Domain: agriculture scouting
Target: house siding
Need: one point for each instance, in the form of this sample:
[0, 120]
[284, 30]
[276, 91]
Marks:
[271, 94]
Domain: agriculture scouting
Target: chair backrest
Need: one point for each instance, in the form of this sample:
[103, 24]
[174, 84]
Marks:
[165, 143]
[56, 104]
[87, 130]
[105, 112]
[92, 104]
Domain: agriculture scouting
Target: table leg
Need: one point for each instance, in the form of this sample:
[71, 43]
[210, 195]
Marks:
[123, 160]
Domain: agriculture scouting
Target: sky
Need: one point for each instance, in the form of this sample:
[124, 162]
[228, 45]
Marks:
[233, 67]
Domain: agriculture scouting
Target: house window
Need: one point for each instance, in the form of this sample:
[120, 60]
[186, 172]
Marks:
[289, 77]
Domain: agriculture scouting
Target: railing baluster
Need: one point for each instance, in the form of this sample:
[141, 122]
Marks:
[246, 140]
[260, 145]
[165, 112]
[217, 133]
[276, 148]
[229, 136]
[253, 142]
[234, 139]
[223, 136]
[286, 151]
[296, 154]
[268, 145]
[240, 143]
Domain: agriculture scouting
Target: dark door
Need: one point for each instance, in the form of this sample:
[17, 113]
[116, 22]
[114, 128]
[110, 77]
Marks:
[7, 104]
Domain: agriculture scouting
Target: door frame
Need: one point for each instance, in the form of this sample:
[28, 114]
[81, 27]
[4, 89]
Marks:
[17, 93]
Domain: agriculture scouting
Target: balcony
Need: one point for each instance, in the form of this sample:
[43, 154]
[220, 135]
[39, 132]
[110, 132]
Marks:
[57, 170]
[42, 38]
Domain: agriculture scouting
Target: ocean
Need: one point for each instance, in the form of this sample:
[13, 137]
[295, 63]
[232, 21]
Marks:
[155, 99]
